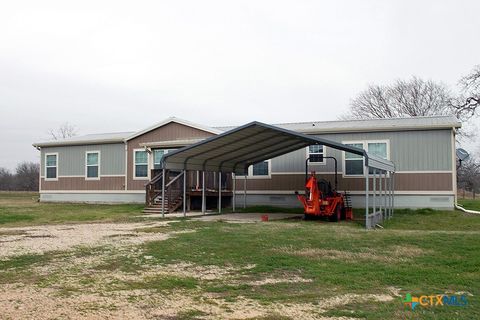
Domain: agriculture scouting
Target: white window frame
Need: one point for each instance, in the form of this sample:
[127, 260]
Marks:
[386, 141]
[134, 174]
[250, 172]
[87, 165]
[56, 166]
[365, 147]
[323, 162]
[152, 155]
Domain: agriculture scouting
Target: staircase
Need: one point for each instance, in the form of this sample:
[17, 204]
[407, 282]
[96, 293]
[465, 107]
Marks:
[173, 193]
[170, 206]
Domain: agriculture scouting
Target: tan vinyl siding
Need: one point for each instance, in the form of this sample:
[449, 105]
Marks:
[79, 183]
[168, 132]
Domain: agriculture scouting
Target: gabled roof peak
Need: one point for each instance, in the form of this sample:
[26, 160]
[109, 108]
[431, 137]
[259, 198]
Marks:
[175, 120]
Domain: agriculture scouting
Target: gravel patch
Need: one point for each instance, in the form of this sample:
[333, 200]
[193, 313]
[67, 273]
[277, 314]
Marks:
[26, 302]
[42, 239]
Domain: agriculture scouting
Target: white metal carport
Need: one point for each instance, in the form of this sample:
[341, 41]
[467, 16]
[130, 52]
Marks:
[235, 150]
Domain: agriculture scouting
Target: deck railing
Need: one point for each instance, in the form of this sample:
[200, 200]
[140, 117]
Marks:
[174, 185]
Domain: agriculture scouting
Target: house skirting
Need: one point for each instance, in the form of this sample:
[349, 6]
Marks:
[93, 197]
[410, 201]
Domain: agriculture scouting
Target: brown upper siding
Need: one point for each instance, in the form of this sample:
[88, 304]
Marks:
[168, 132]
[403, 182]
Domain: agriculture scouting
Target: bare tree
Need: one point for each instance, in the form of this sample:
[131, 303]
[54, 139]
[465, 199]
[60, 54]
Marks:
[26, 176]
[469, 99]
[6, 180]
[411, 98]
[66, 130]
[468, 175]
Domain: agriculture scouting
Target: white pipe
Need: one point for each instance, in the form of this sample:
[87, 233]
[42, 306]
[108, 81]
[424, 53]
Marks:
[466, 210]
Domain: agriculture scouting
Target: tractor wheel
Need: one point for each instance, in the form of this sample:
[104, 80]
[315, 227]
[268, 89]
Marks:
[344, 213]
[337, 214]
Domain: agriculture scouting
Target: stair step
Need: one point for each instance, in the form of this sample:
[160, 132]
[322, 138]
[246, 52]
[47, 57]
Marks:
[154, 212]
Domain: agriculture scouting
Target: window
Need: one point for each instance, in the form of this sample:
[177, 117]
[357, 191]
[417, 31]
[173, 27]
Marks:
[353, 162]
[158, 155]
[92, 165]
[140, 164]
[51, 166]
[157, 158]
[315, 152]
[260, 169]
[378, 149]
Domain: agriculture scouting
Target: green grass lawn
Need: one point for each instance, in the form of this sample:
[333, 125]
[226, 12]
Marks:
[23, 208]
[421, 252]
[470, 204]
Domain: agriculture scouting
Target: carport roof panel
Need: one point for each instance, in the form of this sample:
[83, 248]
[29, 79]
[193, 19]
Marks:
[236, 149]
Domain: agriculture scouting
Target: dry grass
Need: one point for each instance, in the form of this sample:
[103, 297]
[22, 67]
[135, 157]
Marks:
[390, 255]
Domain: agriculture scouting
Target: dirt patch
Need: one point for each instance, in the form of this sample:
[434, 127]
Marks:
[42, 239]
[267, 281]
[18, 301]
[78, 286]
[395, 254]
[228, 275]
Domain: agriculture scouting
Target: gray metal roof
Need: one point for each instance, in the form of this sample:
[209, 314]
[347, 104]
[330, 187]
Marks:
[96, 138]
[387, 124]
[120, 136]
[395, 124]
[236, 149]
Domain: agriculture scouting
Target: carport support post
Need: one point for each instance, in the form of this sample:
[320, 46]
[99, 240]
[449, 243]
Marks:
[184, 193]
[234, 182]
[387, 193]
[380, 192]
[393, 193]
[219, 192]
[374, 190]
[366, 200]
[163, 192]
[204, 205]
[385, 215]
[245, 192]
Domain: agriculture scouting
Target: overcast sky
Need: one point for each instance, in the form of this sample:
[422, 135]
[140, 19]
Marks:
[109, 66]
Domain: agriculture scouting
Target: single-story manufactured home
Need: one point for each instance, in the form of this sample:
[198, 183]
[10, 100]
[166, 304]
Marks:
[123, 167]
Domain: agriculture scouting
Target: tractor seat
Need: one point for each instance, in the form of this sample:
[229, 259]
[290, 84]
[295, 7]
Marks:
[325, 187]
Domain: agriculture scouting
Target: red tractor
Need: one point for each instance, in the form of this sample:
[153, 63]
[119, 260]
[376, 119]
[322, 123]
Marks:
[321, 200]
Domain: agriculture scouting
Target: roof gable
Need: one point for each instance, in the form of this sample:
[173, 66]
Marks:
[174, 120]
